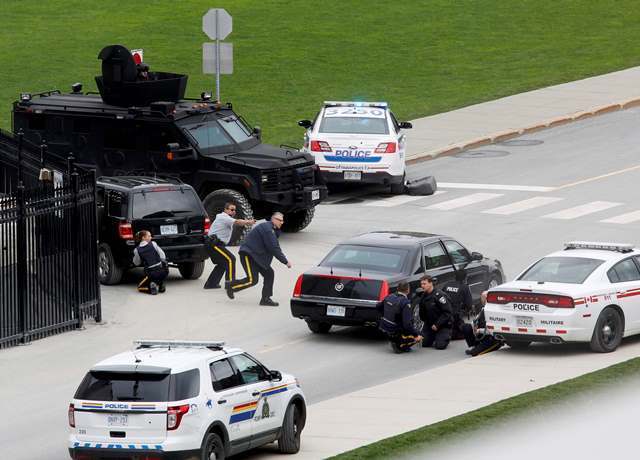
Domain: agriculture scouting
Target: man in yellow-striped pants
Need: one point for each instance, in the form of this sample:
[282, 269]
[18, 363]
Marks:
[219, 235]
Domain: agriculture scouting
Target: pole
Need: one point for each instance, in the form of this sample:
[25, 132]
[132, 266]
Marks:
[217, 55]
[20, 139]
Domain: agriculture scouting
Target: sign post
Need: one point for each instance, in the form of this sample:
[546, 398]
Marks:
[217, 24]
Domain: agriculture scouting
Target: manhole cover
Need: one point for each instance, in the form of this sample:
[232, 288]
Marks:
[482, 154]
[521, 142]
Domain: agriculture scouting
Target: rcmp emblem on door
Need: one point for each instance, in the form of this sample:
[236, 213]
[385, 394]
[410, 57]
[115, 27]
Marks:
[339, 287]
[265, 409]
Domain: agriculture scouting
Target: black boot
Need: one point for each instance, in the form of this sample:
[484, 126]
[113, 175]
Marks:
[268, 302]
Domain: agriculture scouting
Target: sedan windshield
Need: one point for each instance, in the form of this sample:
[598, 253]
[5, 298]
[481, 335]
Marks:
[385, 260]
[354, 125]
[571, 270]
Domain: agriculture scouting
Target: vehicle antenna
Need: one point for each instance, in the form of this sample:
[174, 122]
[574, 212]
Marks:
[331, 270]
[360, 273]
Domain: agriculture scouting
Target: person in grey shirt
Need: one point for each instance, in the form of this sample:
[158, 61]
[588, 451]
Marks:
[218, 239]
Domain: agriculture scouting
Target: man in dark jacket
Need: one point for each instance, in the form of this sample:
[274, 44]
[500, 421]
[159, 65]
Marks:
[476, 335]
[256, 254]
[435, 310]
[459, 294]
[397, 320]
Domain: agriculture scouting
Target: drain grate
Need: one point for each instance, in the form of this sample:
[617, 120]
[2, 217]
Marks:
[482, 154]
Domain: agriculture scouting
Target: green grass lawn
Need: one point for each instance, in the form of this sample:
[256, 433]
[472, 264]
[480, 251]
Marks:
[423, 57]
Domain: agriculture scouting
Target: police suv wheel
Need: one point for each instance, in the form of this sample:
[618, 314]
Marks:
[607, 334]
[296, 221]
[212, 448]
[191, 270]
[109, 272]
[319, 328]
[289, 440]
[214, 204]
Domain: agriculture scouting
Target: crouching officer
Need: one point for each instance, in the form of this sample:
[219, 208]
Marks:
[152, 257]
[476, 335]
[397, 320]
[459, 294]
[435, 310]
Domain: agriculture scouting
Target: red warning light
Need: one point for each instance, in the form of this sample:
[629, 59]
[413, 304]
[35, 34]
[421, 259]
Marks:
[138, 56]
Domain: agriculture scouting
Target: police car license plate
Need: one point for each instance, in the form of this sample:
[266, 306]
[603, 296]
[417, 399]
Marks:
[168, 229]
[315, 195]
[117, 420]
[352, 175]
[524, 321]
[335, 310]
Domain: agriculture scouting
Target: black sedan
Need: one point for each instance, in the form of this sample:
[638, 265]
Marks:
[345, 288]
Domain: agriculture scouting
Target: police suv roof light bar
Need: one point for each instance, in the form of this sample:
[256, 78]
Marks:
[355, 104]
[618, 247]
[178, 344]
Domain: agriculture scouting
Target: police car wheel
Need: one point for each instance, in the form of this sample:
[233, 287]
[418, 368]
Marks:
[298, 220]
[318, 327]
[191, 270]
[109, 272]
[519, 345]
[398, 189]
[212, 448]
[214, 204]
[289, 440]
[607, 333]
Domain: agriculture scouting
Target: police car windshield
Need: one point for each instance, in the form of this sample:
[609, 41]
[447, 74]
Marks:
[386, 260]
[571, 270]
[165, 203]
[354, 125]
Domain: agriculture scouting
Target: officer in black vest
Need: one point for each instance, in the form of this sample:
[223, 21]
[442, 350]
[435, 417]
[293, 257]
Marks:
[397, 320]
[476, 335]
[461, 302]
[152, 257]
[436, 312]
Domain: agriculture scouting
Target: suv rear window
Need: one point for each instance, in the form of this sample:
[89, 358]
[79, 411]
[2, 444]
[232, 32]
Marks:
[165, 203]
[118, 386]
[571, 270]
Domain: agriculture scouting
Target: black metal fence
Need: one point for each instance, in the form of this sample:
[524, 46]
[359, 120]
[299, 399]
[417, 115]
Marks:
[48, 249]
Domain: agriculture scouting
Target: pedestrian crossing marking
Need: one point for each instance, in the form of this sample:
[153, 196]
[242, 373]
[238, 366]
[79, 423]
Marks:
[513, 188]
[626, 218]
[524, 205]
[582, 210]
[463, 201]
[397, 200]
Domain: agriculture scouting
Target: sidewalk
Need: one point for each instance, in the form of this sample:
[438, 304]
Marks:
[481, 123]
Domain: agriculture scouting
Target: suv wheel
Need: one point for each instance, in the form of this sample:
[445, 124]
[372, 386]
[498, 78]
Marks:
[212, 448]
[109, 272]
[191, 270]
[296, 221]
[289, 440]
[214, 205]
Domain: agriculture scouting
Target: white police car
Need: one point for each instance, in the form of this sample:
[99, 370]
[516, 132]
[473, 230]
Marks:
[183, 400]
[590, 292]
[358, 142]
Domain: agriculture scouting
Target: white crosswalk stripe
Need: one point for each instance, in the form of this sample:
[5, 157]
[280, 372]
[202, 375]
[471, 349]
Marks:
[397, 200]
[626, 218]
[524, 205]
[463, 201]
[582, 210]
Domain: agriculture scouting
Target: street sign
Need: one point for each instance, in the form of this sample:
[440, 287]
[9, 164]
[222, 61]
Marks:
[209, 58]
[217, 23]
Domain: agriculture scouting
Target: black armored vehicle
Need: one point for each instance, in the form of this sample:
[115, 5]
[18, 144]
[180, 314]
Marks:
[140, 123]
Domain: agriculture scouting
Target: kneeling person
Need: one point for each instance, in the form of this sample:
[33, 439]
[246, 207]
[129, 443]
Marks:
[476, 335]
[436, 312]
[397, 320]
[152, 257]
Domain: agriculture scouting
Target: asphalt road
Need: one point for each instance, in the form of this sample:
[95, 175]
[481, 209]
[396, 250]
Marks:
[515, 201]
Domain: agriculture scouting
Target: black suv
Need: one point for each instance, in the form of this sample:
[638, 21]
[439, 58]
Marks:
[141, 124]
[170, 210]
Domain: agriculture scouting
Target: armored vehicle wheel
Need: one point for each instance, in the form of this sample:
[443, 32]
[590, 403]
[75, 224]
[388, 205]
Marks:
[289, 441]
[607, 334]
[214, 204]
[109, 272]
[296, 221]
[319, 328]
[191, 270]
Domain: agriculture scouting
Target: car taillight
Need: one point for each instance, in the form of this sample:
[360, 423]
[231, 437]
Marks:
[125, 231]
[174, 416]
[386, 147]
[297, 290]
[384, 291]
[72, 416]
[320, 146]
[207, 225]
[548, 300]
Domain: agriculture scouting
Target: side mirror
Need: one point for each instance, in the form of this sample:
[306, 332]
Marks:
[306, 124]
[177, 153]
[405, 125]
[275, 376]
[476, 256]
[257, 131]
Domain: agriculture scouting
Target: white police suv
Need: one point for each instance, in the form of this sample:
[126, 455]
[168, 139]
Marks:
[183, 400]
[359, 142]
[590, 292]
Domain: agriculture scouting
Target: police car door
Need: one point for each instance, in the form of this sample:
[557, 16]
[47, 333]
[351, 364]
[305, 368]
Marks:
[625, 277]
[231, 403]
[477, 276]
[268, 395]
[437, 263]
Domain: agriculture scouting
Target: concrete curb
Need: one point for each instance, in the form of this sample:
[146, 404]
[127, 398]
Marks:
[502, 136]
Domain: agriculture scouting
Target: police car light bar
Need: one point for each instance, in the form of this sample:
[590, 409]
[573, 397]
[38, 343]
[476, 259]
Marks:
[178, 343]
[355, 104]
[618, 247]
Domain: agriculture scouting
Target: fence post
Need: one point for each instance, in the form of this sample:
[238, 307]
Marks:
[75, 184]
[20, 138]
[98, 315]
[21, 262]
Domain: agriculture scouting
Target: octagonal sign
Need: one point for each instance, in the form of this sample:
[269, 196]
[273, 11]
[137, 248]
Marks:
[217, 23]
